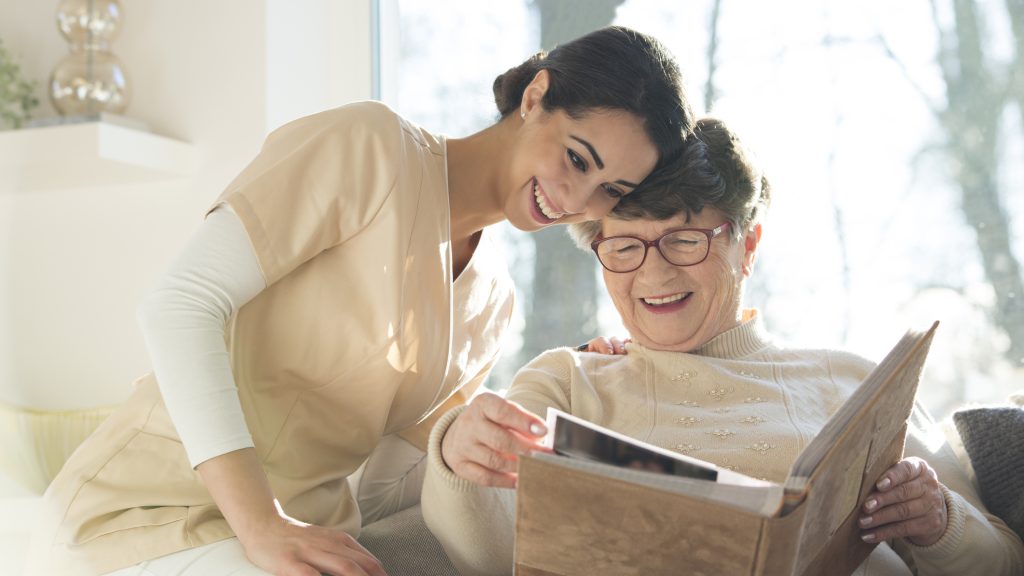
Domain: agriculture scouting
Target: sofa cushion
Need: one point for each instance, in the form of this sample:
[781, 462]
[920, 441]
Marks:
[993, 438]
[405, 546]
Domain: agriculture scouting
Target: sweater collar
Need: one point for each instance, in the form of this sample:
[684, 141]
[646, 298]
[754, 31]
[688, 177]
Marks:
[748, 338]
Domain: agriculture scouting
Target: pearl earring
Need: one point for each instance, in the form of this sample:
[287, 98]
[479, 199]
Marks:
[522, 114]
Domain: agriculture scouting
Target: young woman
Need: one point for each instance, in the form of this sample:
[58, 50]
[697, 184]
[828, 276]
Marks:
[341, 289]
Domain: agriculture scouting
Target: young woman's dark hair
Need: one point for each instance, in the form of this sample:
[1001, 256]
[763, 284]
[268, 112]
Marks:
[611, 68]
[716, 169]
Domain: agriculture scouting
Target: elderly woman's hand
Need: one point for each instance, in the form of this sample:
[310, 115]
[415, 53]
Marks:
[602, 345]
[483, 444]
[908, 503]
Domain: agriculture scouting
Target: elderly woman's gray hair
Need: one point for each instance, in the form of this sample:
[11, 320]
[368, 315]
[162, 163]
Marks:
[715, 170]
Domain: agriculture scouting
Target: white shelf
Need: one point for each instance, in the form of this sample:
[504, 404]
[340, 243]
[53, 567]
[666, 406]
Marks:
[97, 153]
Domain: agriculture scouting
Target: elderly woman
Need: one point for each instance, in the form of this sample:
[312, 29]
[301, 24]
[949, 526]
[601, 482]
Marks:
[675, 266]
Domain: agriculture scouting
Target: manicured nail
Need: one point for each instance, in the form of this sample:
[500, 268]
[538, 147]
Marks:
[868, 537]
[884, 484]
[865, 521]
[870, 504]
[537, 429]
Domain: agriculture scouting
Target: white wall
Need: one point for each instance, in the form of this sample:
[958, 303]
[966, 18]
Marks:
[317, 56]
[75, 262]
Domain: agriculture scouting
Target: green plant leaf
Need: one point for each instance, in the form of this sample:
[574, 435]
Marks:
[17, 94]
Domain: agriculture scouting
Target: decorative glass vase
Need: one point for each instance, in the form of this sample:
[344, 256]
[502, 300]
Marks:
[90, 79]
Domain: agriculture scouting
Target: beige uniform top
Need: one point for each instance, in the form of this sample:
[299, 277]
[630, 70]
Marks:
[361, 332]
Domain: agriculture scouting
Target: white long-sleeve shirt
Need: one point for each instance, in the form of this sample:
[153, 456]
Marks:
[183, 319]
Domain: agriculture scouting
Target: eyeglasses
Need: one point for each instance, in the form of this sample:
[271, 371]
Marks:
[680, 247]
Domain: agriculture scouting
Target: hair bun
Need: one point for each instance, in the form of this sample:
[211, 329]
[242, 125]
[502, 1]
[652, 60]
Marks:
[509, 87]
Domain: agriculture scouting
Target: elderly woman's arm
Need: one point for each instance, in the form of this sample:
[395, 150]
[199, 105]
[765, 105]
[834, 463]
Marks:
[974, 542]
[473, 522]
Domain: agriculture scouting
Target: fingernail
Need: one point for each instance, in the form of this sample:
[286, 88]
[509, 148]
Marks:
[865, 521]
[537, 429]
[884, 484]
[870, 504]
[868, 537]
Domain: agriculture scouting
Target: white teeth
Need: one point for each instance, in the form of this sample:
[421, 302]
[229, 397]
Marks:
[544, 208]
[665, 300]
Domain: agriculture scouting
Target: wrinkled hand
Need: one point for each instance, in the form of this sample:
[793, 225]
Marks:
[604, 345]
[907, 503]
[287, 547]
[483, 444]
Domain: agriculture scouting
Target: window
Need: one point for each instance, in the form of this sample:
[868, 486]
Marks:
[905, 180]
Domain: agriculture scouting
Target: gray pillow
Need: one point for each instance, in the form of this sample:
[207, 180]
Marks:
[994, 440]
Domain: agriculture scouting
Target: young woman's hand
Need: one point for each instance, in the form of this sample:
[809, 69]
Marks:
[483, 444]
[271, 539]
[907, 503]
[604, 345]
[289, 547]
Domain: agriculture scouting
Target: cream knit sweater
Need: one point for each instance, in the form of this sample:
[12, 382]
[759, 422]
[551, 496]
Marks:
[741, 402]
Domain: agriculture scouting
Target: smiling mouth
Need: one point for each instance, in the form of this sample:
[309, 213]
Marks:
[542, 202]
[661, 301]
[666, 303]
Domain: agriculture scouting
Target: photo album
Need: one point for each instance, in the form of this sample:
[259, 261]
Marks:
[603, 501]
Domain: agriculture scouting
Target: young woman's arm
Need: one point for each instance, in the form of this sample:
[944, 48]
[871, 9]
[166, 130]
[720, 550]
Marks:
[183, 321]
